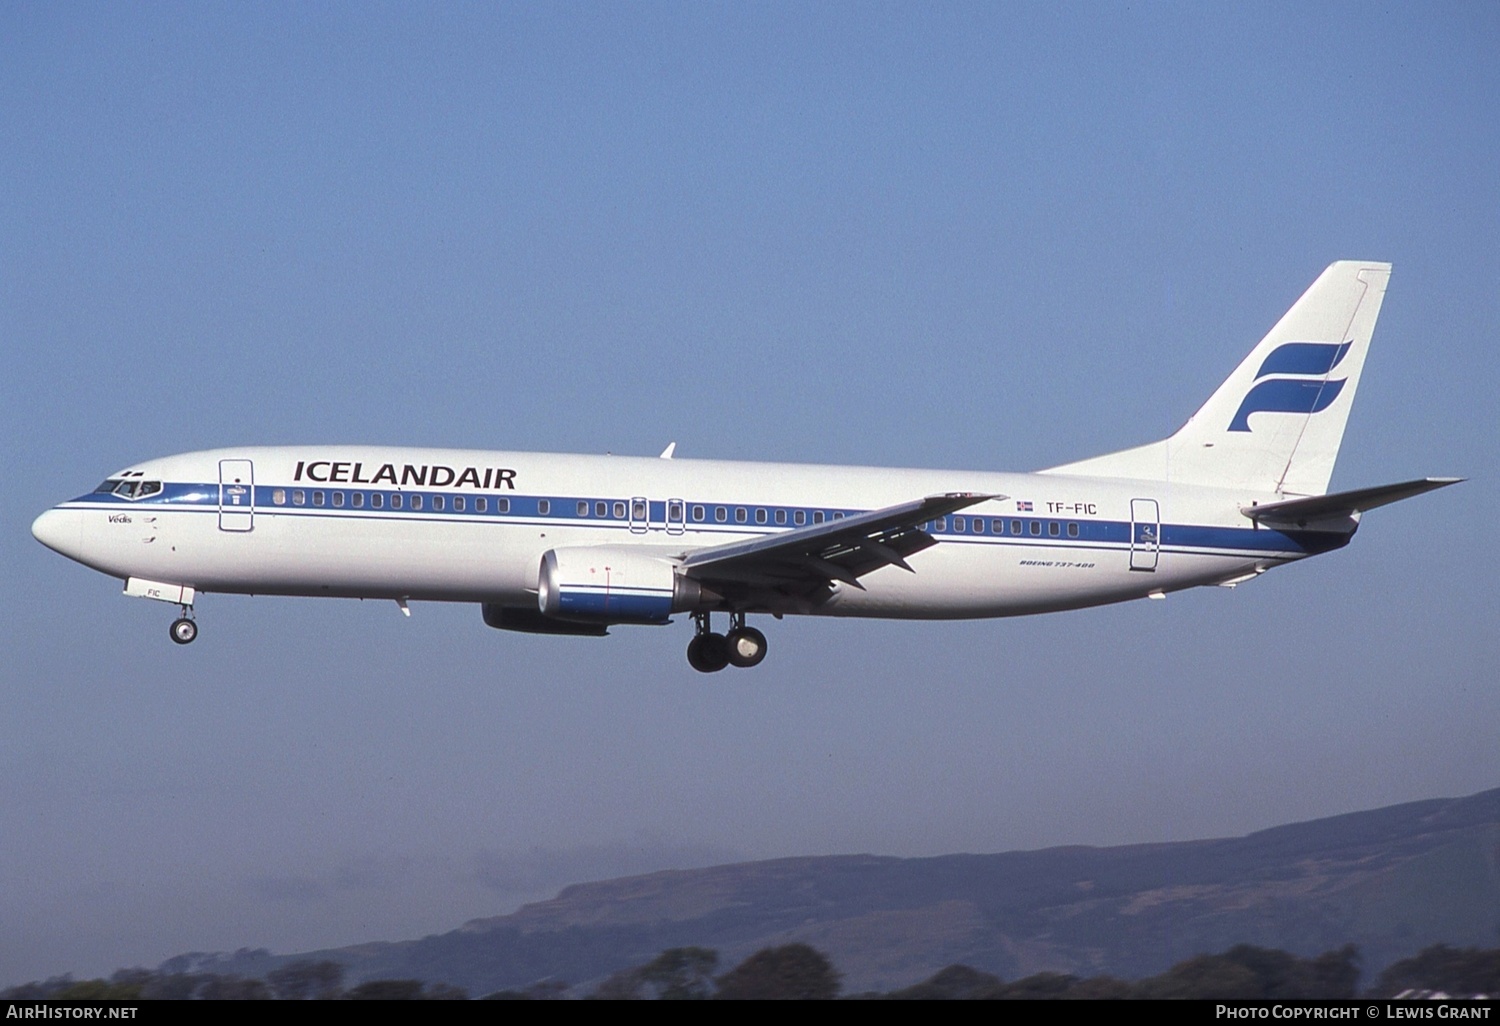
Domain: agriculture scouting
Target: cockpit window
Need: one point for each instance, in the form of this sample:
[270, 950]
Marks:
[133, 489]
[107, 486]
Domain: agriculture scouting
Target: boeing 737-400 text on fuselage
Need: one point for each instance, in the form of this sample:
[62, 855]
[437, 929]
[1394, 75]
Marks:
[559, 544]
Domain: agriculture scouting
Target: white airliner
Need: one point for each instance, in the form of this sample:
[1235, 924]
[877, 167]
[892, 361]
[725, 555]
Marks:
[560, 544]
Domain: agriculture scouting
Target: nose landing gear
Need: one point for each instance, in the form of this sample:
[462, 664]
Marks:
[184, 629]
[709, 652]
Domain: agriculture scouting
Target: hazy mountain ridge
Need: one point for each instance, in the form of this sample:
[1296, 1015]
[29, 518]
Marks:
[1391, 880]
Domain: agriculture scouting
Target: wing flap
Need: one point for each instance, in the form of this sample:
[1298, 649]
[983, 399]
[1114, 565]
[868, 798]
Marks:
[841, 550]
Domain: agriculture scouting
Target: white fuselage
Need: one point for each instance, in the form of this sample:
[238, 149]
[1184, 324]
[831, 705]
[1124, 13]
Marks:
[473, 526]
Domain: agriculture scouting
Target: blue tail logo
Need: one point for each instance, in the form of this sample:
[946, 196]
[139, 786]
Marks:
[1308, 360]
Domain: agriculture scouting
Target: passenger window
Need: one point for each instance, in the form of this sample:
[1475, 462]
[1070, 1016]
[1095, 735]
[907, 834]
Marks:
[817, 516]
[437, 502]
[1036, 527]
[1054, 528]
[338, 498]
[799, 518]
[837, 515]
[674, 512]
[1072, 530]
[544, 506]
[583, 507]
[781, 516]
[698, 514]
[940, 524]
[978, 526]
[601, 509]
[760, 516]
[638, 509]
[619, 511]
[416, 502]
[299, 497]
[317, 498]
[459, 503]
[959, 525]
[739, 515]
[279, 496]
[997, 527]
[481, 505]
[1015, 527]
[721, 514]
[502, 505]
[377, 500]
[357, 500]
[396, 501]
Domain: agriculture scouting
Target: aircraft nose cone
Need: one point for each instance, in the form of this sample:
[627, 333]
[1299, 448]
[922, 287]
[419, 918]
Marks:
[58, 530]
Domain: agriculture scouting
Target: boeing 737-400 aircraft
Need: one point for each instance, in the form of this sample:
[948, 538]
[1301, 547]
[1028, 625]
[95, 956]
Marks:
[557, 544]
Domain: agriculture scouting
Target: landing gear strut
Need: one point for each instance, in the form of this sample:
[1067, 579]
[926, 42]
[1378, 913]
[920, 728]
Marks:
[709, 652]
[183, 629]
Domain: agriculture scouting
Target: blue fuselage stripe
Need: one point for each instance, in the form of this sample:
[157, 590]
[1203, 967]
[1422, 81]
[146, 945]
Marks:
[1033, 531]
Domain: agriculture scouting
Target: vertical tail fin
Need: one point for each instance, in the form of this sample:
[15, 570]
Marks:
[1276, 423]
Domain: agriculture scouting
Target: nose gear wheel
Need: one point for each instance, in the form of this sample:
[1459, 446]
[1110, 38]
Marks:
[183, 630]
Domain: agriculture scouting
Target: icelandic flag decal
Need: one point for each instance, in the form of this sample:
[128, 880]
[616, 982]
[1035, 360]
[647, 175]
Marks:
[1023, 507]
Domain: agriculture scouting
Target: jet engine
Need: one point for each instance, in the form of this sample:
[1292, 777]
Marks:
[613, 584]
[528, 621]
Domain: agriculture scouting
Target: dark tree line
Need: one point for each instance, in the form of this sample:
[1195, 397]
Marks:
[1454, 971]
[798, 971]
[295, 981]
[1244, 972]
[791, 971]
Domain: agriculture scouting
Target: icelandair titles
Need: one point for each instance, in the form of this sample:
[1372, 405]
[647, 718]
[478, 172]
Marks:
[423, 476]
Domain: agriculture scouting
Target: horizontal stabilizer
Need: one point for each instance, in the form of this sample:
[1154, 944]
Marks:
[1342, 504]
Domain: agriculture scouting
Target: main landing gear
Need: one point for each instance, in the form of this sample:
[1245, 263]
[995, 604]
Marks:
[184, 629]
[709, 652]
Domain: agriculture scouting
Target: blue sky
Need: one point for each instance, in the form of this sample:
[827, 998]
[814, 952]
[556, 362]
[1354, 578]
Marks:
[984, 236]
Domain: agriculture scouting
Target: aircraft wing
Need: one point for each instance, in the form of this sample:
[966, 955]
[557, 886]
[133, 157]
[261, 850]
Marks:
[810, 558]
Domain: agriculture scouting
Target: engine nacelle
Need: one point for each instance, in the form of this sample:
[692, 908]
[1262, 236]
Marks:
[612, 584]
[528, 621]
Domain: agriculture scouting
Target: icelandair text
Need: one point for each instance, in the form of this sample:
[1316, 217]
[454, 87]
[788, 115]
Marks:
[422, 476]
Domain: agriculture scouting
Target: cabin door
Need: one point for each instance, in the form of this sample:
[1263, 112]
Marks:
[236, 495]
[1145, 534]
